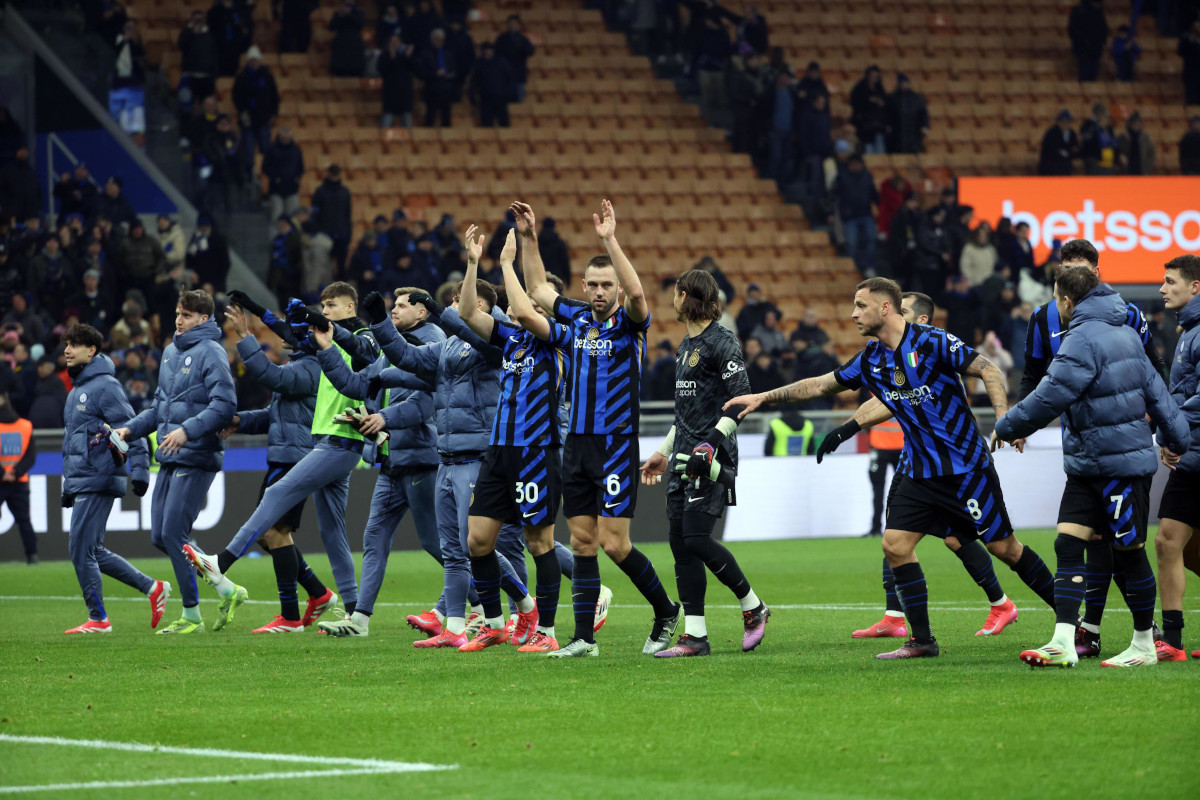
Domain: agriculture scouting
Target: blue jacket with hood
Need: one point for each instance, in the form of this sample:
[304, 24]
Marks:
[98, 398]
[1185, 379]
[288, 420]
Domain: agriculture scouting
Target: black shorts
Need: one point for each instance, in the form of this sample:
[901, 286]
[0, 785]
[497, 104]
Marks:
[683, 494]
[600, 475]
[291, 520]
[1116, 508]
[518, 484]
[970, 506]
[1181, 498]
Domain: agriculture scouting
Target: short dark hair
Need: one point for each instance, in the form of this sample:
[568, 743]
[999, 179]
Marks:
[1188, 266]
[1075, 282]
[482, 289]
[702, 303]
[196, 301]
[556, 282]
[598, 262]
[884, 286]
[922, 304]
[83, 336]
[1080, 248]
[340, 289]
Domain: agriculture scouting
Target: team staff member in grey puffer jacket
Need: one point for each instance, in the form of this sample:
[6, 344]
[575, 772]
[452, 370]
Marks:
[1179, 514]
[1104, 386]
[195, 401]
[95, 474]
[287, 421]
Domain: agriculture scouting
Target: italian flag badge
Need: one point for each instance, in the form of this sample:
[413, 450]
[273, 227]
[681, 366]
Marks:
[911, 358]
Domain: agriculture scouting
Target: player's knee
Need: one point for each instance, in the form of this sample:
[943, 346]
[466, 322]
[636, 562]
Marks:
[954, 544]
[616, 548]
[895, 549]
[1007, 549]
[539, 541]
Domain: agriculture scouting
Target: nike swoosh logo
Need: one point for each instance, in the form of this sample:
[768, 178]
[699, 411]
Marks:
[527, 516]
[1056, 335]
[472, 486]
[981, 532]
[875, 369]
[694, 499]
[611, 505]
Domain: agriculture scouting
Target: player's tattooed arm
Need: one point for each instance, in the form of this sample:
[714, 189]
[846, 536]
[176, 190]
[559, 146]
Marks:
[796, 392]
[993, 382]
[871, 413]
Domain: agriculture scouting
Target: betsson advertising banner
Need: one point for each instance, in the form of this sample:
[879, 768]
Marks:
[1136, 223]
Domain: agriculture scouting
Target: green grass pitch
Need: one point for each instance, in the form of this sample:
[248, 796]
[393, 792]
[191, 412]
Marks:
[811, 714]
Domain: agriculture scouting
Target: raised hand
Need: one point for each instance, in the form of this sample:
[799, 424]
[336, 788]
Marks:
[237, 318]
[749, 402]
[526, 224]
[474, 244]
[605, 221]
[375, 307]
[423, 299]
[323, 338]
[242, 300]
[509, 253]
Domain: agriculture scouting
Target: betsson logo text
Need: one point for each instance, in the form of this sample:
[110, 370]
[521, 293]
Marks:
[1119, 230]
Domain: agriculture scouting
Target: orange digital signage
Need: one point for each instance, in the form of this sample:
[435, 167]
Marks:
[1136, 223]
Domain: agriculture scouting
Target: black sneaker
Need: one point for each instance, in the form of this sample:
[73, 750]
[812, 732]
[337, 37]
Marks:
[31, 559]
[661, 632]
[913, 649]
[686, 647]
[1087, 644]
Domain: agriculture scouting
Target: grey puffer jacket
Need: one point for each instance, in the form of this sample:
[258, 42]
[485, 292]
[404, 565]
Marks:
[98, 398]
[1185, 379]
[1104, 386]
[288, 420]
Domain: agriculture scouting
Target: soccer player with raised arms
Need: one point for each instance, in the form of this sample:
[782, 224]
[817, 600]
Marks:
[949, 479]
[1104, 387]
[701, 452]
[600, 456]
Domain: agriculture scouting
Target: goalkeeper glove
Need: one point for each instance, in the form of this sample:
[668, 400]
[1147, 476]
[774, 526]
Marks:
[715, 471]
[835, 437]
[107, 437]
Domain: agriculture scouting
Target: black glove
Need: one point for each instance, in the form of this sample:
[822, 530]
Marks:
[715, 472]
[242, 300]
[140, 488]
[423, 299]
[701, 460]
[835, 437]
[314, 319]
[296, 311]
[68, 500]
[375, 308]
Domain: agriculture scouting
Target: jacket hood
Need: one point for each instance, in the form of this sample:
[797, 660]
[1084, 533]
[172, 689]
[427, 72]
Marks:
[1189, 315]
[98, 367]
[1101, 304]
[205, 331]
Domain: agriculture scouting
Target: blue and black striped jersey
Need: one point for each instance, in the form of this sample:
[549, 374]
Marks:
[531, 376]
[606, 368]
[919, 383]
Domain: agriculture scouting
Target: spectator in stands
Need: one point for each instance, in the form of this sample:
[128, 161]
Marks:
[283, 272]
[1189, 148]
[51, 277]
[132, 324]
[399, 240]
[76, 192]
[114, 205]
[515, 48]
[1060, 146]
[812, 84]
[769, 335]
[762, 370]
[460, 43]
[283, 166]
[387, 26]
[49, 397]
[661, 385]
[438, 70]
[726, 320]
[747, 90]
[809, 328]
[868, 102]
[347, 52]
[424, 21]
[1135, 148]
[367, 264]
[908, 118]
[752, 30]
[710, 50]
[95, 306]
[891, 199]
[556, 255]
[754, 312]
[208, 254]
[814, 142]
[978, 259]
[332, 214]
[170, 237]
[256, 99]
[232, 26]
[784, 126]
[495, 245]
[931, 258]
[396, 67]
[1098, 142]
[315, 249]
[812, 359]
[958, 231]
[445, 239]
[1189, 50]
[1088, 31]
[137, 389]
[127, 87]
[492, 88]
[20, 189]
[427, 262]
[13, 277]
[963, 307]
[992, 349]
[1125, 53]
[998, 313]
[857, 200]
[33, 328]
[143, 262]
[295, 24]
[1016, 250]
[222, 151]
[200, 63]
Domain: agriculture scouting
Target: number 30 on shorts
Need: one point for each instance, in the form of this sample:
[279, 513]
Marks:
[527, 492]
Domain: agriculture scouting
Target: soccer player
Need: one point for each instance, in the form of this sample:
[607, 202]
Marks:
[287, 421]
[1046, 330]
[918, 308]
[95, 473]
[600, 455]
[337, 449]
[701, 449]
[408, 458]
[194, 402]
[949, 479]
[1179, 514]
[1104, 385]
[464, 371]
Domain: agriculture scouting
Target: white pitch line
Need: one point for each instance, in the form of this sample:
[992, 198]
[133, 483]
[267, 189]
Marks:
[262, 776]
[939, 605]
